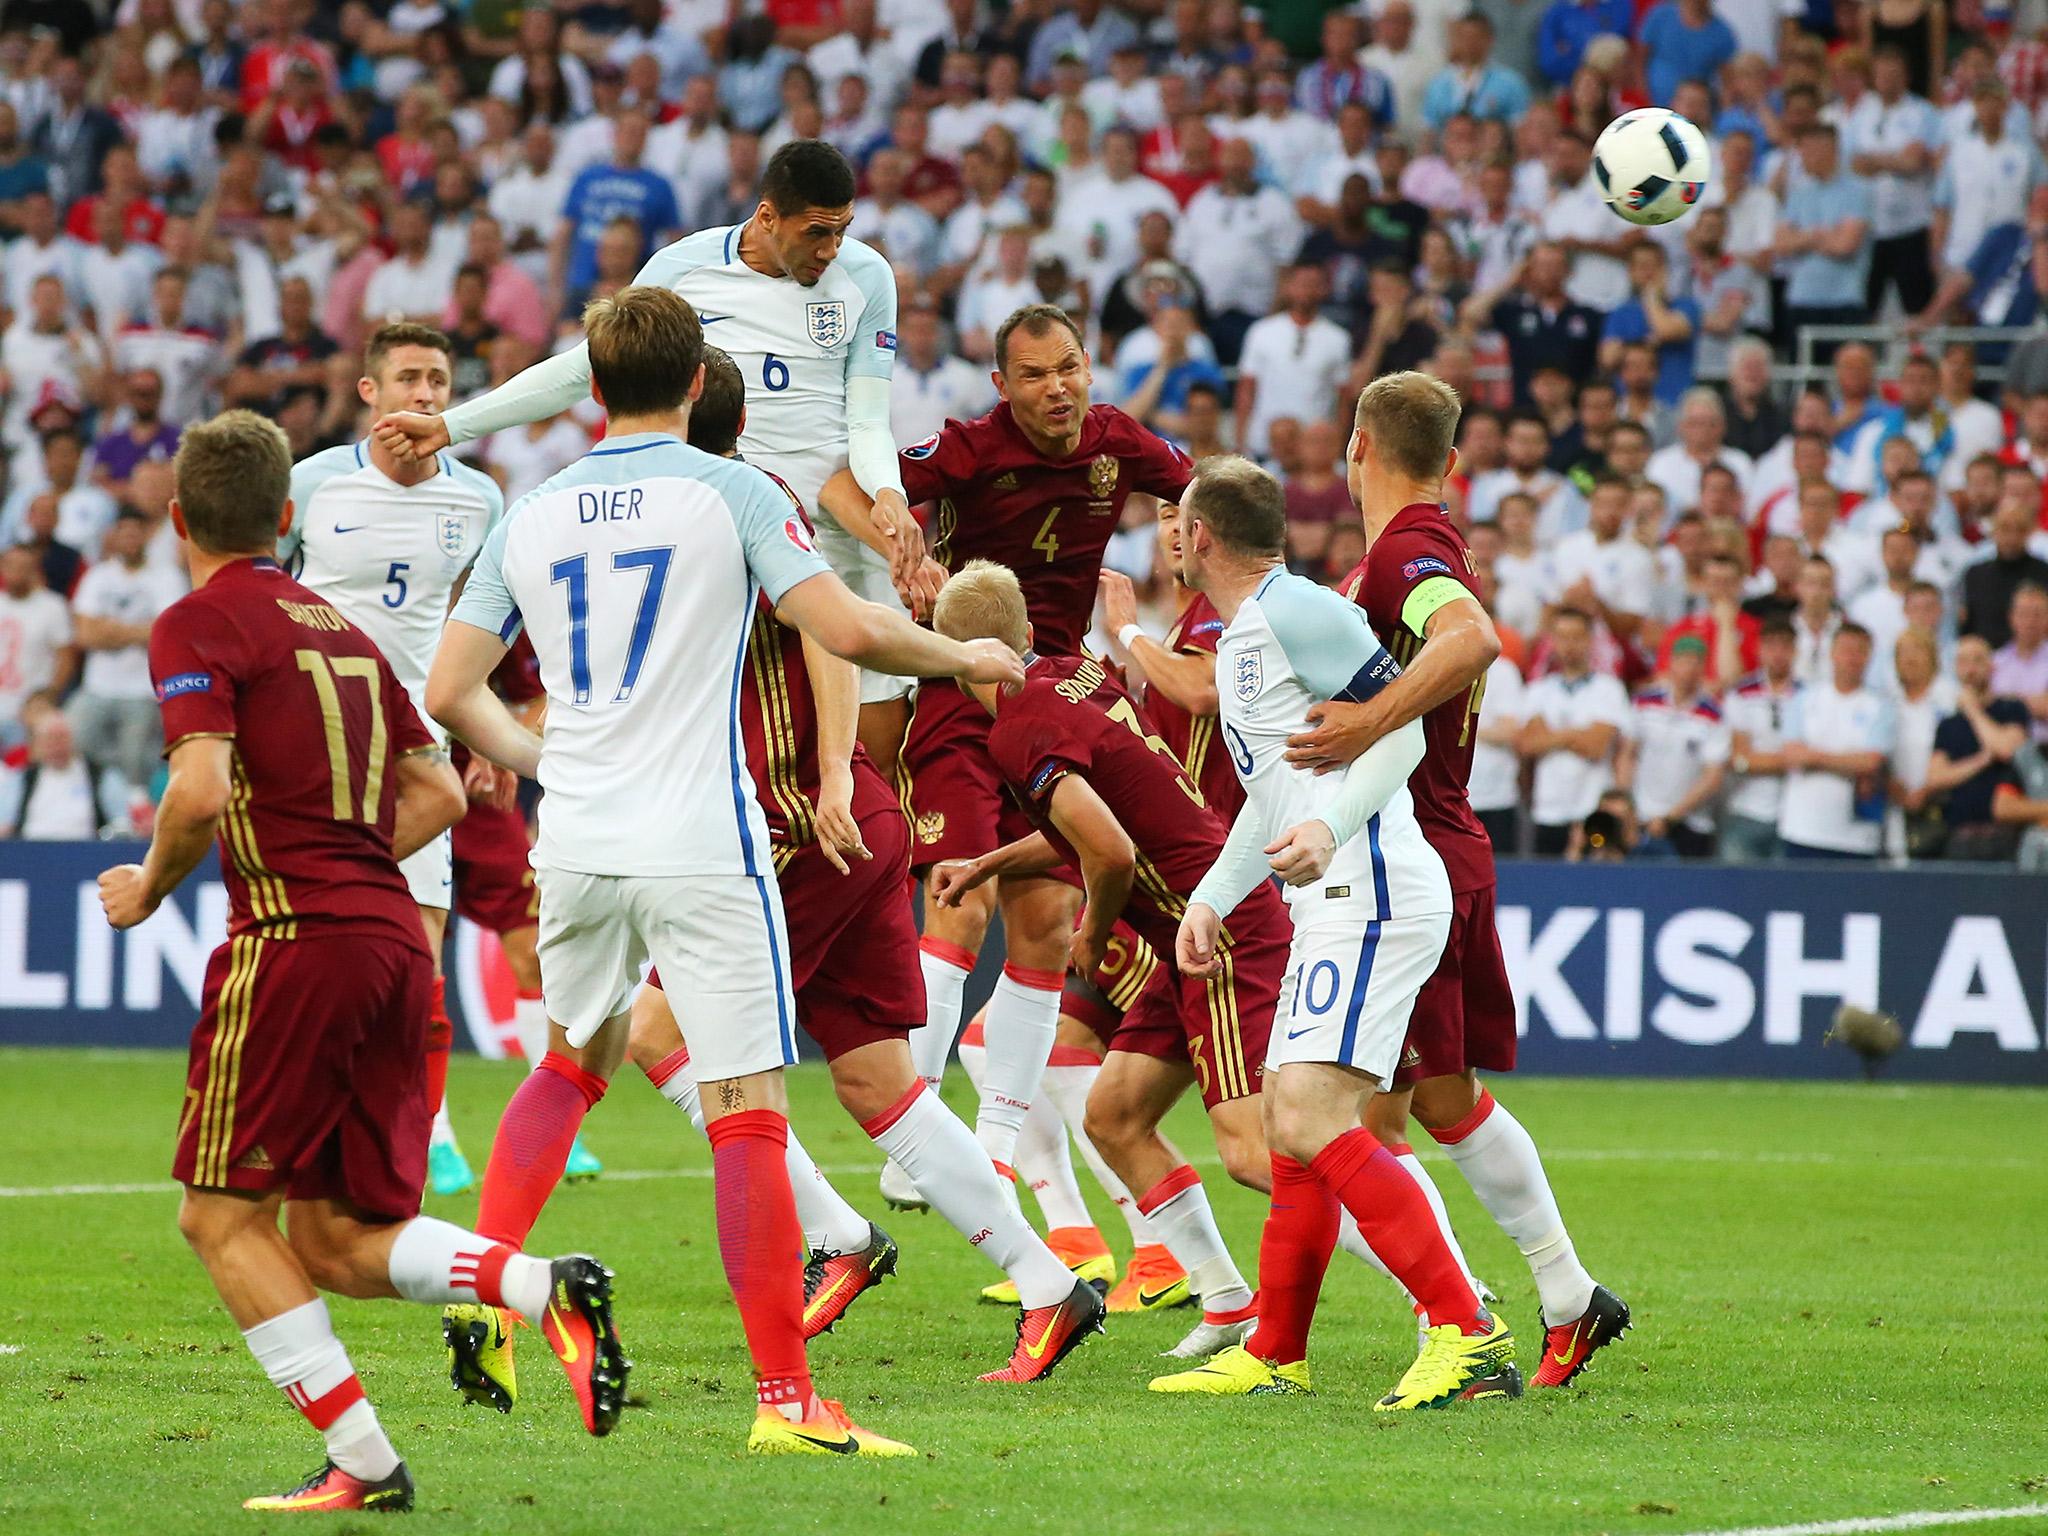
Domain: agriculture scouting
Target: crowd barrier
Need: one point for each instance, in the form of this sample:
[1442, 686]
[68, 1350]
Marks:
[1648, 969]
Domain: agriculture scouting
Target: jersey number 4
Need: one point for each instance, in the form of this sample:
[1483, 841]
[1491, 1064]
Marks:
[574, 573]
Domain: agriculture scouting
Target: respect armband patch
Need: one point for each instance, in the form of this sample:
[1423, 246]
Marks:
[1049, 772]
[1428, 565]
[184, 682]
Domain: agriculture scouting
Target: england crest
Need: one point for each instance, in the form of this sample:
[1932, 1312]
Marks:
[1248, 674]
[451, 531]
[825, 321]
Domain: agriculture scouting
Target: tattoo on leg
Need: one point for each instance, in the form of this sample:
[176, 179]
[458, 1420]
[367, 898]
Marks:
[731, 1097]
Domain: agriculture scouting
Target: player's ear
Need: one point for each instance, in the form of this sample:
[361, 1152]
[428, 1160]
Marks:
[178, 520]
[596, 393]
[696, 385]
[284, 518]
[366, 391]
[1451, 464]
[1355, 449]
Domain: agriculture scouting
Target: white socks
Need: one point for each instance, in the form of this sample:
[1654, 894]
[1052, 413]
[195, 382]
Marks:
[530, 1025]
[436, 1262]
[1018, 1029]
[443, 1134]
[1066, 1085]
[1407, 1159]
[304, 1360]
[929, 1142]
[1178, 1206]
[1043, 1164]
[830, 1224]
[946, 968]
[1500, 1162]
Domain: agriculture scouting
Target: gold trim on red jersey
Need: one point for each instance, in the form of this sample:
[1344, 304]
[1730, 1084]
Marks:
[269, 903]
[224, 1062]
[778, 732]
[1142, 961]
[1232, 1079]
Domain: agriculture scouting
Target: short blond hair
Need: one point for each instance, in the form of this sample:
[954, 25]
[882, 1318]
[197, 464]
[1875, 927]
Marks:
[232, 476]
[646, 345]
[1412, 419]
[983, 602]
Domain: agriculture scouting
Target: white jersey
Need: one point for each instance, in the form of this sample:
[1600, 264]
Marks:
[388, 556]
[1293, 645]
[635, 572]
[796, 348]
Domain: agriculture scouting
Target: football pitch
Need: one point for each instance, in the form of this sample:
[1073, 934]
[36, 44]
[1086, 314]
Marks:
[1838, 1295]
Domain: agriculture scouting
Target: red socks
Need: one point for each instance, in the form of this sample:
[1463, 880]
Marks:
[1294, 1253]
[759, 1239]
[440, 1038]
[532, 1147]
[1394, 1217]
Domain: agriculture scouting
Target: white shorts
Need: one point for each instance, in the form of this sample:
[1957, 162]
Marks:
[429, 873]
[1351, 985]
[866, 573]
[719, 940]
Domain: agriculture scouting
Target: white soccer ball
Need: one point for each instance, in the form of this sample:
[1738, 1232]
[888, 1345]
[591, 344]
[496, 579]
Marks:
[1652, 165]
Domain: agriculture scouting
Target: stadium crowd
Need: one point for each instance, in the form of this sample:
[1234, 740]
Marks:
[1743, 613]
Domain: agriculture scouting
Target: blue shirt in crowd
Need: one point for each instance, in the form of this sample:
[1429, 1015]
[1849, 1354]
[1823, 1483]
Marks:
[1826, 282]
[1629, 322]
[1675, 51]
[1568, 25]
[603, 193]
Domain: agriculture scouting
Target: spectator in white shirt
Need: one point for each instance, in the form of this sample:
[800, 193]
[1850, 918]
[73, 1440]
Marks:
[960, 113]
[413, 284]
[1521, 570]
[1128, 93]
[1496, 779]
[58, 795]
[1702, 429]
[1822, 534]
[1895, 138]
[1985, 182]
[989, 297]
[1289, 140]
[528, 199]
[115, 272]
[988, 208]
[188, 359]
[1099, 213]
[37, 656]
[931, 386]
[1838, 739]
[892, 224]
[1578, 218]
[1881, 607]
[1921, 699]
[115, 712]
[1815, 621]
[84, 510]
[1675, 755]
[1574, 717]
[1293, 362]
[1559, 506]
[522, 457]
[1235, 237]
[1399, 51]
[46, 351]
[1602, 571]
[42, 249]
[1756, 713]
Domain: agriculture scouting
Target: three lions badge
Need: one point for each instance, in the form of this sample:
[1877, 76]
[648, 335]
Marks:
[825, 322]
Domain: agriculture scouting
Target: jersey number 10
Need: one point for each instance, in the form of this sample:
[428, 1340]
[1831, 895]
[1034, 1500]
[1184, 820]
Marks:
[574, 573]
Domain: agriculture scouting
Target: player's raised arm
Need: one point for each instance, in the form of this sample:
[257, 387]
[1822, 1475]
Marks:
[1399, 454]
[870, 363]
[548, 388]
[896, 536]
[883, 640]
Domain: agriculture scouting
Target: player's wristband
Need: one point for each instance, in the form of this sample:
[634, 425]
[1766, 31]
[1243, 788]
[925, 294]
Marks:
[1129, 632]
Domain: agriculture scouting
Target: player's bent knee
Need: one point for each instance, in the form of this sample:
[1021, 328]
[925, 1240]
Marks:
[1441, 1102]
[1386, 1116]
[652, 1035]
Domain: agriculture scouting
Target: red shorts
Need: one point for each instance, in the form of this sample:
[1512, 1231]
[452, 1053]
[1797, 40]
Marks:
[308, 1070]
[493, 879]
[1464, 1017]
[956, 801]
[1101, 1000]
[1221, 1025]
[852, 944]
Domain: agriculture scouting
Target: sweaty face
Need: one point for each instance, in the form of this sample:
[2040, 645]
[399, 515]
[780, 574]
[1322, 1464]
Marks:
[1045, 381]
[805, 243]
[410, 379]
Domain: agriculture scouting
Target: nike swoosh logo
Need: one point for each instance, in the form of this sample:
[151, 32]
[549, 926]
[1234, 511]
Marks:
[1151, 1298]
[352, 528]
[827, 1294]
[566, 1345]
[847, 1447]
[1296, 1034]
[1037, 1351]
[711, 319]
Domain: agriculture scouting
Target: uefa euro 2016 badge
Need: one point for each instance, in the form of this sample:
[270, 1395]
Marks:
[1248, 674]
[451, 529]
[825, 321]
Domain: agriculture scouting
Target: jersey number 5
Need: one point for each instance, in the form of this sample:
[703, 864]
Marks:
[326, 671]
[574, 573]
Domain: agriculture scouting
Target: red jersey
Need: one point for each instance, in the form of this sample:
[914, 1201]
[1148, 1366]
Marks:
[1048, 520]
[318, 721]
[1193, 737]
[1420, 545]
[1073, 717]
[779, 721]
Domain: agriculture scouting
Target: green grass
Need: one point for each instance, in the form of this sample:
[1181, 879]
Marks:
[1838, 1294]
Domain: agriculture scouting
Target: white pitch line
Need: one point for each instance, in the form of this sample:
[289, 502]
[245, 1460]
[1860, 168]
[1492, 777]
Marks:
[1430, 1154]
[1919, 1520]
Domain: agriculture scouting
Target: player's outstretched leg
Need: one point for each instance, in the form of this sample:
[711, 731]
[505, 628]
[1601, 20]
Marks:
[1499, 1160]
[913, 1126]
[530, 1024]
[1044, 1167]
[946, 961]
[848, 1254]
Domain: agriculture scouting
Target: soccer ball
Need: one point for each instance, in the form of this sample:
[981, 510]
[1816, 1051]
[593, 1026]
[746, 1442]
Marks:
[1652, 165]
